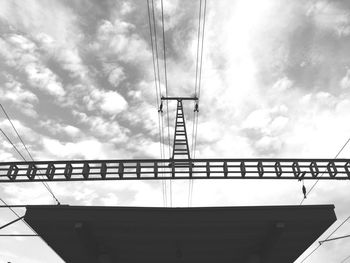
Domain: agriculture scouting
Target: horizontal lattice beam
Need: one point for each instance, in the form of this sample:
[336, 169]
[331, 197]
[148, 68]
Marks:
[153, 169]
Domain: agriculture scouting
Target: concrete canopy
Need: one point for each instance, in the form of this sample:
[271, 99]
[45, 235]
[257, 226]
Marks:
[272, 234]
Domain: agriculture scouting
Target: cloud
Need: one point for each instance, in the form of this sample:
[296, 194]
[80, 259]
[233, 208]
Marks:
[23, 100]
[282, 84]
[109, 102]
[43, 78]
[87, 148]
[23, 56]
[119, 40]
[36, 17]
[116, 75]
[56, 128]
[331, 16]
[103, 128]
[66, 54]
[345, 81]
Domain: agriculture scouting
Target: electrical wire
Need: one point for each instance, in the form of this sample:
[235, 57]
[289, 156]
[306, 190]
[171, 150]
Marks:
[24, 159]
[313, 186]
[334, 238]
[320, 244]
[157, 87]
[201, 61]
[345, 259]
[198, 77]
[166, 92]
[164, 184]
[14, 146]
[18, 216]
[48, 188]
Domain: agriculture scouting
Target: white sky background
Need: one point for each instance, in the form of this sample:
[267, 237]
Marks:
[77, 79]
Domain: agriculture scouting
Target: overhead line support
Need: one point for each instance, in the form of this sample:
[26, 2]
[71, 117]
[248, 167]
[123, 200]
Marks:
[163, 169]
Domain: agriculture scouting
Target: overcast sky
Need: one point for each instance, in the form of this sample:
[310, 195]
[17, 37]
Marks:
[76, 77]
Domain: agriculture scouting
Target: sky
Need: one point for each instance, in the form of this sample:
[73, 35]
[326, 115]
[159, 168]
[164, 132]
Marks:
[76, 77]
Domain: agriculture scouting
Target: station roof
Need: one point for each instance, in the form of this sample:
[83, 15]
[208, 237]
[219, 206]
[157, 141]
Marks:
[273, 234]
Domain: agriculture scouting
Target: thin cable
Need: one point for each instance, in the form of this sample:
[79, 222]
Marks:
[18, 235]
[156, 45]
[18, 216]
[313, 186]
[201, 61]
[160, 91]
[157, 90]
[198, 41]
[30, 156]
[153, 55]
[25, 147]
[345, 259]
[24, 159]
[14, 146]
[335, 230]
[165, 75]
[166, 91]
[198, 84]
[190, 185]
[334, 238]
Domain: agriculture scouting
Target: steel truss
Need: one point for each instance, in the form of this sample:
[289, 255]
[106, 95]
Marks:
[160, 169]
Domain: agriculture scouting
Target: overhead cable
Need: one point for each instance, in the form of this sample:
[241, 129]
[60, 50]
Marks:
[46, 185]
[198, 77]
[157, 87]
[320, 244]
[166, 92]
[313, 186]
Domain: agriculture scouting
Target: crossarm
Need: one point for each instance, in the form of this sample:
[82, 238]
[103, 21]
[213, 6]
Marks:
[154, 169]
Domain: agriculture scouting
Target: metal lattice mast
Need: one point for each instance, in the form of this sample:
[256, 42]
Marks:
[180, 146]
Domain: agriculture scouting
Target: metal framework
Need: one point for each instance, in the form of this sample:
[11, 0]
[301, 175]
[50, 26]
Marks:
[180, 166]
[160, 169]
[180, 146]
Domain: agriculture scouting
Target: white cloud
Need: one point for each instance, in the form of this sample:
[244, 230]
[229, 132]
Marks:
[21, 54]
[56, 128]
[282, 84]
[103, 128]
[331, 16]
[50, 17]
[110, 102]
[120, 40]
[116, 76]
[44, 79]
[66, 54]
[345, 82]
[22, 99]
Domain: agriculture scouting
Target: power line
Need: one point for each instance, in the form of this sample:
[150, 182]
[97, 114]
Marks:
[335, 230]
[201, 61]
[166, 91]
[199, 65]
[25, 147]
[14, 146]
[198, 41]
[334, 238]
[157, 87]
[345, 259]
[18, 216]
[313, 186]
[160, 91]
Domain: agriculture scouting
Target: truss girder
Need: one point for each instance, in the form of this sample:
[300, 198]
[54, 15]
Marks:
[153, 169]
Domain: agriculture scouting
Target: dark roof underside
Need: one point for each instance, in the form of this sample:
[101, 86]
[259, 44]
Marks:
[277, 234]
